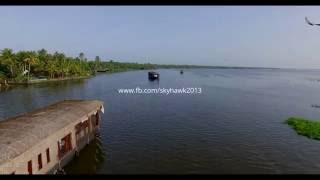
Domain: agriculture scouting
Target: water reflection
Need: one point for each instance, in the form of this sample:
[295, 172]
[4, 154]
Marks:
[234, 126]
[90, 160]
[5, 88]
[60, 85]
[56, 85]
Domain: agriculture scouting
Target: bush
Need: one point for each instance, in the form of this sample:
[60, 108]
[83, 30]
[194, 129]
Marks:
[21, 78]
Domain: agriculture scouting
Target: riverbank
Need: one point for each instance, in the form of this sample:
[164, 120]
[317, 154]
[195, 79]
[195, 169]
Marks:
[45, 80]
[37, 81]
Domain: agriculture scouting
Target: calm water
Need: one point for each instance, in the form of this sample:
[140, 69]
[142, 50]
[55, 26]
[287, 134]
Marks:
[234, 126]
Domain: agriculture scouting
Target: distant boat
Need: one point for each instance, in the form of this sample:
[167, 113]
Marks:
[181, 71]
[153, 75]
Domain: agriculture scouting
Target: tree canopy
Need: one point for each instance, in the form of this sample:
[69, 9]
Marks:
[25, 65]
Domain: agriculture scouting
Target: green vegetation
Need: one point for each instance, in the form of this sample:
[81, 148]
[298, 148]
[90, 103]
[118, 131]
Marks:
[114, 66]
[304, 127]
[24, 66]
[35, 66]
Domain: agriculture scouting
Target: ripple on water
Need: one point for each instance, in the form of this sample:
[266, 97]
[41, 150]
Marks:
[234, 126]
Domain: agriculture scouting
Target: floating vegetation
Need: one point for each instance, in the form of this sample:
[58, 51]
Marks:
[308, 128]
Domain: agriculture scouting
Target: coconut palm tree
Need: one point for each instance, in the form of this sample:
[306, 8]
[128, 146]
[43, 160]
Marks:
[43, 58]
[7, 58]
[51, 66]
[96, 63]
[21, 61]
[31, 60]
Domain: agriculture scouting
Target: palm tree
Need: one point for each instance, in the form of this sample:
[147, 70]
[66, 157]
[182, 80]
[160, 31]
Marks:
[7, 59]
[96, 63]
[97, 59]
[64, 67]
[30, 60]
[43, 58]
[51, 65]
[21, 57]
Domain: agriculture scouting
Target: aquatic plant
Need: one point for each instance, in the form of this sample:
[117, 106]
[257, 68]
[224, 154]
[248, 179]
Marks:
[308, 128]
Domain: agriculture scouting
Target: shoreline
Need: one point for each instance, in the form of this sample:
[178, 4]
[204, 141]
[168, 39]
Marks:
[38, 81]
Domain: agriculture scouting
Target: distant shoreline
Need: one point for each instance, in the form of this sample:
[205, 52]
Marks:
[38, 81]
[172, 66]
[169, 66]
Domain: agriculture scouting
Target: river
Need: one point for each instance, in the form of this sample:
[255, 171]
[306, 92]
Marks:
[235, 125]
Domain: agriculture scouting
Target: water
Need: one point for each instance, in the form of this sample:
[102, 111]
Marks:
[234, 126]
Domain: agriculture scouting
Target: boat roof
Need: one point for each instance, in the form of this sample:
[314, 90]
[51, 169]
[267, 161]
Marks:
[20, 133]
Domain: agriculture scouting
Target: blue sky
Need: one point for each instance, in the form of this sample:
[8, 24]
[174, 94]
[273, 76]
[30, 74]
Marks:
[263, 36]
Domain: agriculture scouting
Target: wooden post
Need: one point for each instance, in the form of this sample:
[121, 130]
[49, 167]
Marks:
[59, 152]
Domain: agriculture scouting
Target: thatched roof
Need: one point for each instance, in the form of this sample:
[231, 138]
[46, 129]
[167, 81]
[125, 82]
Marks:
[18, 134]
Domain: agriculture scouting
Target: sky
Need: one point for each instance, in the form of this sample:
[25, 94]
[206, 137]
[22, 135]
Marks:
[255, 36]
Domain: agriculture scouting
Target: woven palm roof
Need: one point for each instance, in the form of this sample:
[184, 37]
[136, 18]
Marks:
[20, 133]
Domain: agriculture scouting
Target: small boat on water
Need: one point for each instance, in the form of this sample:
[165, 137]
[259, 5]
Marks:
[181, 71]
[153, 75]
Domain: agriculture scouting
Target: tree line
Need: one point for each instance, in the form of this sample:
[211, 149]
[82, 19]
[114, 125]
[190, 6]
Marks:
[26, 65]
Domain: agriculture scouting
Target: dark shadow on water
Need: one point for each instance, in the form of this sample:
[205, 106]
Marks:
[57, 85]
[60, 84]
[154, 83]
[89, 161]
[154, 80]
[5, 88]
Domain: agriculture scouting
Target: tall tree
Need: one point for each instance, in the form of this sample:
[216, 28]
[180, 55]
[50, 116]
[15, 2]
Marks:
[31, 60]
[7, 59]
[96, 63]
[81, 56]
[42, 60]
[21, 57]
[51, 66]
[97, 58]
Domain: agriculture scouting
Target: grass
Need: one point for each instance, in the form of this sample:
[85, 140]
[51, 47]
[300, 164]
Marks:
[308, 128]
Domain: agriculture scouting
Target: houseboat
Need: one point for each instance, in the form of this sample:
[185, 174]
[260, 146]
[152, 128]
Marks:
[153, 75]
[45, 140]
